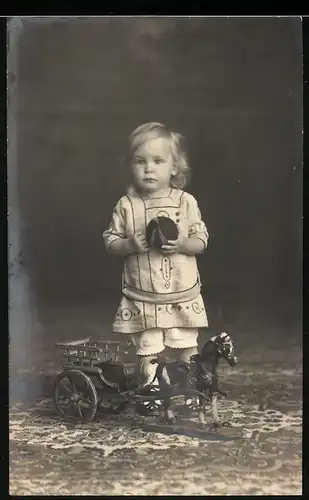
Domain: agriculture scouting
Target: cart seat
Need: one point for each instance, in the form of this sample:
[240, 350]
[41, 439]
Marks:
[116, 373]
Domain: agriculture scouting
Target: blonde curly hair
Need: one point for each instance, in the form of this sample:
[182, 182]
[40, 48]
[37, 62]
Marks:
[154, 130]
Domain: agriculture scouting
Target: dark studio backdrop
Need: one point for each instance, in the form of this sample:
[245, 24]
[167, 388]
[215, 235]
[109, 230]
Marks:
[231, 86]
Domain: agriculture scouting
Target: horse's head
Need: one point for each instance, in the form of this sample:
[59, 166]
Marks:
[225, 348]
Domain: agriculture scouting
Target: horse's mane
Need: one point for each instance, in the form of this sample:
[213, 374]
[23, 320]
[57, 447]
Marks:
[208, 348]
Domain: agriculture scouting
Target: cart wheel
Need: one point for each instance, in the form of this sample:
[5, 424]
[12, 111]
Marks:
[148, 407]
[75, 396]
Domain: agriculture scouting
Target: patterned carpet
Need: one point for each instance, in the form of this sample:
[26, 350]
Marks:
[260, 454]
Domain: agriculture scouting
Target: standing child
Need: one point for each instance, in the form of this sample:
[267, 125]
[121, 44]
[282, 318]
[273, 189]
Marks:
[161, 304]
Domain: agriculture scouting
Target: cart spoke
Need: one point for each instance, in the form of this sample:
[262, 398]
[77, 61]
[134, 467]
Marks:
[79, 410]
[84, 402]
[75, 409]
[66, 389]
[64, 399]
[84, 398]
[72, 382]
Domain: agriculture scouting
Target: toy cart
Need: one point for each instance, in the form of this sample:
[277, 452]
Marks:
[92, 382]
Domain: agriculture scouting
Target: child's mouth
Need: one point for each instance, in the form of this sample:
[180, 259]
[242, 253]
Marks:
[149, 181]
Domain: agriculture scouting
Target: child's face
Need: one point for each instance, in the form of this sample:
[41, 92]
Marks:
[152, 165]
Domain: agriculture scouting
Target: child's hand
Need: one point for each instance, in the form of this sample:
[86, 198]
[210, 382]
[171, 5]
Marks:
[139, 243]
[176, 246]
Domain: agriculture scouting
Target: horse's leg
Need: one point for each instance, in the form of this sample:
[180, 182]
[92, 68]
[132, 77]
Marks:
[202, 409]
[168, 412]
[225, 423]
[165, 388]
[206, 400]
[162, 411]
[163, 404]
[214, 408]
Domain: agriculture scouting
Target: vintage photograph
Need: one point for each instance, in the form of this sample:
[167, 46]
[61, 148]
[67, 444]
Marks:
[154, 173]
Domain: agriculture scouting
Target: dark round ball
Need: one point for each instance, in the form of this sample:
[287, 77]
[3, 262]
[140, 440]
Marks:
[160, 230]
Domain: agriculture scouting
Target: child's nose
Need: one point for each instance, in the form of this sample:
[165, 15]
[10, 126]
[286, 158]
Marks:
[148, 166]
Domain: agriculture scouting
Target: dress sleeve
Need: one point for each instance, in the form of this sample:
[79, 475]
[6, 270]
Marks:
[117, 226]
[197, 226]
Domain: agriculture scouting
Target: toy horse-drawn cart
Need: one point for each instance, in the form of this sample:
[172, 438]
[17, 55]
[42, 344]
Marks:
[94, 382]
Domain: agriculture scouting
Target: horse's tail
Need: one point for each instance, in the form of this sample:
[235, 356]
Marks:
[159, 371]
[154, 361]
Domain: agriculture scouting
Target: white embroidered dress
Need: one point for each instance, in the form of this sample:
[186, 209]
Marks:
[159, 291]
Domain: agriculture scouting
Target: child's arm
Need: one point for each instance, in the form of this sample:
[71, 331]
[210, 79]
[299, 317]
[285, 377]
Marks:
[127, 246]
[198, 233]
[120, 247]
[193, 246]
[115, 237]
[197, 240]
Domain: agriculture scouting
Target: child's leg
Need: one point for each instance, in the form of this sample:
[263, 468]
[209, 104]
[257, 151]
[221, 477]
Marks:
[183, 341]
[148, 345]
[183, 354]
[186, 353]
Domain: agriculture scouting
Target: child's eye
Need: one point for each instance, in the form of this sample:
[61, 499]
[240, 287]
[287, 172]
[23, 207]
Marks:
[159, 160]
[139, 161]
